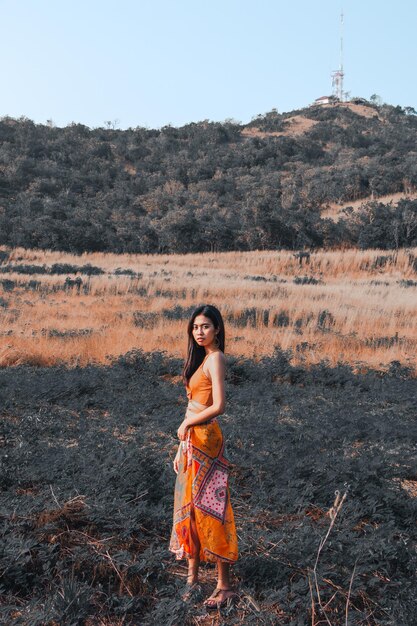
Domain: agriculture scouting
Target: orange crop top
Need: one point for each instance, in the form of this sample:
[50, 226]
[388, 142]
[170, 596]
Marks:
[199, 387]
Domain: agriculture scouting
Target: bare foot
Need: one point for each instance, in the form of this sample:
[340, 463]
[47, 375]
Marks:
[219, 598]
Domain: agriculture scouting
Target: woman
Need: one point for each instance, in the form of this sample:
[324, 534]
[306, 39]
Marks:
[204, 528]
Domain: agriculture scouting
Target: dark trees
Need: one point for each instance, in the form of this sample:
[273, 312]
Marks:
[209, 186]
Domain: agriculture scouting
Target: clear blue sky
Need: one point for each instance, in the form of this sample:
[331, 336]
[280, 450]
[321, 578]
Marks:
[157, 62]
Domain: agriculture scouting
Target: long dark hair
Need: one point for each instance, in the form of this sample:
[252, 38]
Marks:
[196, 353]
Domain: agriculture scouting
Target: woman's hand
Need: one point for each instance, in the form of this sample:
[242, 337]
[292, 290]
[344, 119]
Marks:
[182, 431]
[177, 461]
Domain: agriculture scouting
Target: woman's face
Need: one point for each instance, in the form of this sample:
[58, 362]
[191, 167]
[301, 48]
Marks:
[204, 332]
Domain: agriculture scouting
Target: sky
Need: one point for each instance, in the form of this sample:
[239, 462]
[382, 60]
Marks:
[152, 63]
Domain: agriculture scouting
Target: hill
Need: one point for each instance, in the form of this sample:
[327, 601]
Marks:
[277, 182]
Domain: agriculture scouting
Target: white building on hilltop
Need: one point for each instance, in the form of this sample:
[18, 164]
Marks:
[324, 100]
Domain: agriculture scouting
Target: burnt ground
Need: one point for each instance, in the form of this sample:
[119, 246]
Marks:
[87, 486]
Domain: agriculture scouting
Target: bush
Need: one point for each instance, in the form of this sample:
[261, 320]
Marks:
[145, 319]
[127, 272]
[70, 283]
[178, 312]
[90, 270]
[4, 256]
[384, 342]
[281, 319]
[8, 285]
[325, 320]
[307, 280]
[382, 261]
[68, 334]
[64, 268]
[24, 269]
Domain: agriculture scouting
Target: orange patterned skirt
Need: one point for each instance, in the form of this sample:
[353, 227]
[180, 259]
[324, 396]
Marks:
[202, 490]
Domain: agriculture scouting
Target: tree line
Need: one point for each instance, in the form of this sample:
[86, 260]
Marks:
[210, 186]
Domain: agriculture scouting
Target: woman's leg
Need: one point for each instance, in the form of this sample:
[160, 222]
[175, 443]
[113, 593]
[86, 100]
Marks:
[192, 586]
[223, 590]
[194, 563]
[223, 575]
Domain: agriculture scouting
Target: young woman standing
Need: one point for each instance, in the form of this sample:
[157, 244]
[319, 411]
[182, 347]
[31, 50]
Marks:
[204, 528]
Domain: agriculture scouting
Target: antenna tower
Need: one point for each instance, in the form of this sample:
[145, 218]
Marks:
[338, 75]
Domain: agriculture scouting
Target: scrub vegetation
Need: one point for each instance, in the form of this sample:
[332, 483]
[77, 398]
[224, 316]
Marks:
[87, 487]
[277, 182]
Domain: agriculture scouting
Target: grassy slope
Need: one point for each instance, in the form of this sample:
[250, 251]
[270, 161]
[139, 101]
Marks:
[87, 493]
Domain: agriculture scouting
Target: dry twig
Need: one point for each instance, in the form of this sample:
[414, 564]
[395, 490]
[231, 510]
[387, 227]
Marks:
[332, 513]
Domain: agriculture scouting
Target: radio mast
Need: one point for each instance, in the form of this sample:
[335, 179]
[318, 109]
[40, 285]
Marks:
[338, 75]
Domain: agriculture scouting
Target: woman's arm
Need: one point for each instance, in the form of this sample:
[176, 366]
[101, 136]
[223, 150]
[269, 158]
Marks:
[216, 369]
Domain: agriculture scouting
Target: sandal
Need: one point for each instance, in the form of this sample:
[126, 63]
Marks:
[212, 604]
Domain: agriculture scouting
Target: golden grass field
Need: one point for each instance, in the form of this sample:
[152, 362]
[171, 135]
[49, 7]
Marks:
[361, 312]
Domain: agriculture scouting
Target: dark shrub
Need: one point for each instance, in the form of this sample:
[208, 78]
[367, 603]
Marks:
[24, 269]
[70, 283]
[63, 268]
[247, 317]
[68, 334]
[325, 320]
[4, 256]
[384, 342]
[382, 261]
[90, 270]
[127, 272]
[307, 280]
[178, 312]
[145, 319]
[8, 285]
[281, 319]
[256, 278]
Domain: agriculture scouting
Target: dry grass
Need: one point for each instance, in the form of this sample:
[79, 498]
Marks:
[358, 314]
[299, 124]
[410, 487]
[336, 211]
[360, 109]
[296, 125]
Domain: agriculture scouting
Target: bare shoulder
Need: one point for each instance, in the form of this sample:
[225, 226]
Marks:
[216, 358]
[216, 362]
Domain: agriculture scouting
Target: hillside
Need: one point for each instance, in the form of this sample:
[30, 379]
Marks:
[277, 182]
